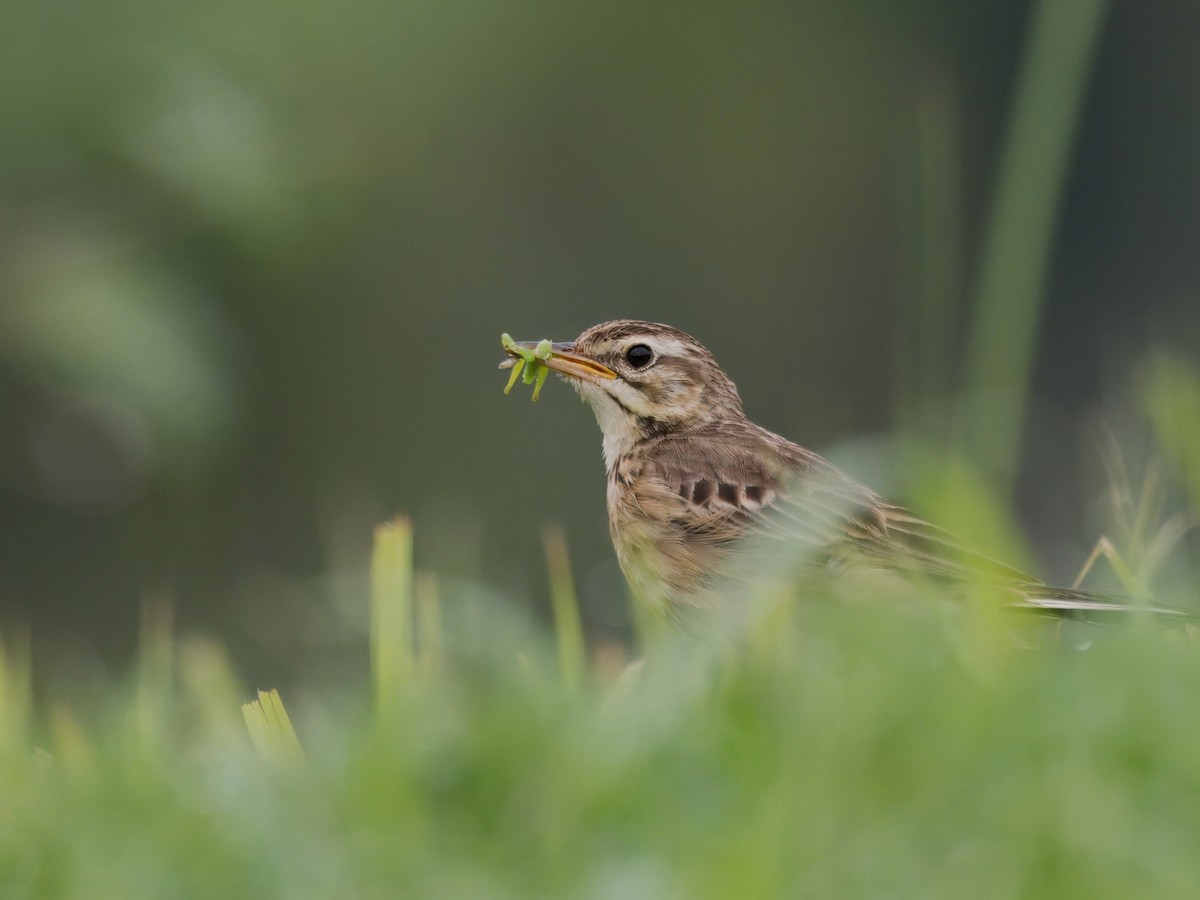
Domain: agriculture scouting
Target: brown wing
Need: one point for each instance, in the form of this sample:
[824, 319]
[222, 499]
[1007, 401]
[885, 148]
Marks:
[766, 501]
[792, 504]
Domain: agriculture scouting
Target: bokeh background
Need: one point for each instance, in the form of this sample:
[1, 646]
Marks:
[255, 259]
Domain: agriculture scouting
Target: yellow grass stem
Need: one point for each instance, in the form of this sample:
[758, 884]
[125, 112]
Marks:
[271, 730]
[391, 611]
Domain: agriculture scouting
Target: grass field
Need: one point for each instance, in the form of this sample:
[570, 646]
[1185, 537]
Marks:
[904, 742]
[903, 746]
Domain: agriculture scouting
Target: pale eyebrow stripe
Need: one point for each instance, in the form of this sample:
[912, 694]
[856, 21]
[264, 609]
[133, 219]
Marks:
[663, 346]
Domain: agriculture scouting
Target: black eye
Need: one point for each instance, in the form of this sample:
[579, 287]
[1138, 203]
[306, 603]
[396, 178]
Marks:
[639, 356]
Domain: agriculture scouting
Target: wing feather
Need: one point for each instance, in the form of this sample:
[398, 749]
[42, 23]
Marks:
[773, 500]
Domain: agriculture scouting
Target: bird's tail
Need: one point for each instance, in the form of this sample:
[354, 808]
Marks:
[1068, 600]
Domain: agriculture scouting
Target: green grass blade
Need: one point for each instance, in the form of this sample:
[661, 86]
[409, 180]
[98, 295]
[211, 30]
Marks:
[391, 612]
[271, 729]
[572, 657]
[1020, 233]
[1172, 402]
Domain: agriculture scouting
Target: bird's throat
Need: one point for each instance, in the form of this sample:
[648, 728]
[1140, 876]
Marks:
[620, 437]
[619, 426]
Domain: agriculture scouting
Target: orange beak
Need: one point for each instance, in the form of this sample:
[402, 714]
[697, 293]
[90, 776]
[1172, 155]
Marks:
[564, 359]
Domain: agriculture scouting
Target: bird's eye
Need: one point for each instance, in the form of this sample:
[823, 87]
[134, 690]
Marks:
[639, 356]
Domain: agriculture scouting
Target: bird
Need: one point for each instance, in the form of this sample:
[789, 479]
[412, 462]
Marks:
[702, 501]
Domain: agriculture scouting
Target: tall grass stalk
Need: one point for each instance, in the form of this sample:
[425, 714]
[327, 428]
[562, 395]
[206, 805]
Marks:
[1019, 238]
[391, 612]
[271, 729]
[568, 629]
[1171, 391]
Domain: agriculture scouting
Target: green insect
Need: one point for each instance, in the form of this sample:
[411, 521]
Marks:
[528, 361]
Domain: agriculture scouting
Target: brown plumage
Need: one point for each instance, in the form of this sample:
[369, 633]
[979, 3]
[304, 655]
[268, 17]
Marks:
[700, 499]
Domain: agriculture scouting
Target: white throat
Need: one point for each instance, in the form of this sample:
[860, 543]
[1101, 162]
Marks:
[619, 430]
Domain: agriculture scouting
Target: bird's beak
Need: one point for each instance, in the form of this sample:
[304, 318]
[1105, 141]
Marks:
[564, 359]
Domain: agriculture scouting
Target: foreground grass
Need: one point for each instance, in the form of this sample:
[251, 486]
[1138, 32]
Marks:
[896, 742]
[840, 749]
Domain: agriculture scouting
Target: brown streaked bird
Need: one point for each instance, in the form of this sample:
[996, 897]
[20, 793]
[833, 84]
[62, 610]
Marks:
[694, 487]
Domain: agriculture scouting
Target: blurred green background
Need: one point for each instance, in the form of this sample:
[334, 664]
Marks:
[255, 259]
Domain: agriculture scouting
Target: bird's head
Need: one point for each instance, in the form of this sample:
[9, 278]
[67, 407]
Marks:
[643, 379]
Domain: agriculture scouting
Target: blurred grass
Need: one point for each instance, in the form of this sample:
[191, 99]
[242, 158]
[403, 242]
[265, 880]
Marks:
[1172, 396]
[271, 730]
[876, 747]
[391, 612]
[898, 741]
[1029, 190]
[572, 659]
[916, 745]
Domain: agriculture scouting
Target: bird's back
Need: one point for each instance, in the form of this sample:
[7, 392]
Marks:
[694, 516]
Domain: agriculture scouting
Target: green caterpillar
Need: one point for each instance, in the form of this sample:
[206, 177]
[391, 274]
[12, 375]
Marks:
[536, 373]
